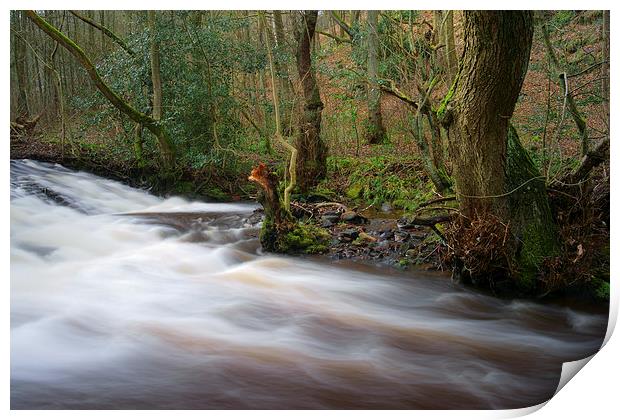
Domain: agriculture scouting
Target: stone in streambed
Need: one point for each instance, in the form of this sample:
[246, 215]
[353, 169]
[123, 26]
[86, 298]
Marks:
[353, 217]
[349, 235]
[329, 219]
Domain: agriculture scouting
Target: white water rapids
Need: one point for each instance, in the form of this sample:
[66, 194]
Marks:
[174, 306]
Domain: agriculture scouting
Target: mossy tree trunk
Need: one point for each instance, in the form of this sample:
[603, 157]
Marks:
[605, 65]
[494, 175]
[278, 220]
[281, 232]
[104, 31]
[20, 68]
[286, 87]
[375, 131]
[166, 146]
[155, 66]
[311, 149]
[579, 120]
[450, 48]
[531, 221]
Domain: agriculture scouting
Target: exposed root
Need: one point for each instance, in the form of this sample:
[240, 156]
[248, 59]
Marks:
[479, 249]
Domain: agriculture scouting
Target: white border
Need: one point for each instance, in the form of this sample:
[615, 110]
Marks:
[592, 394]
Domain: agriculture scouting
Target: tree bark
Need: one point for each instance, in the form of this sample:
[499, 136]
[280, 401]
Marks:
[278, 220]
[580, 122]
[450, 48]
[104, 30]
[154, 126]
[286, 87]
[605, 65]
[375, 130]
[312, 150]
[155, 66]
[20, 69]
[494, 175]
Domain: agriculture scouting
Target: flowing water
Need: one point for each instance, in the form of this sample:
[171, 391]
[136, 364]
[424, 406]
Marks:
[120, 299]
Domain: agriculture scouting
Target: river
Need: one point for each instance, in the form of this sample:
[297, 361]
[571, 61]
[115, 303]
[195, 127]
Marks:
[124, 300]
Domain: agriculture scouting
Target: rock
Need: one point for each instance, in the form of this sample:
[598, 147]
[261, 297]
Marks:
[411, 253]
[363, 236]
[353, 217]
[329, 220]
[386, 207]
[349, 235]
[401, 236]
[388, 234]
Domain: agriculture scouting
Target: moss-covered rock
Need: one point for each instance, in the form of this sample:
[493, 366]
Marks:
[295, 238]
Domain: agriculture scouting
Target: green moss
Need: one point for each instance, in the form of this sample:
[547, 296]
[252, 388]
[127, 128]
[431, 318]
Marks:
[399, 181]
[354, 191]
[441, 110]
[530, 215]
[297, 238]
[599, 288]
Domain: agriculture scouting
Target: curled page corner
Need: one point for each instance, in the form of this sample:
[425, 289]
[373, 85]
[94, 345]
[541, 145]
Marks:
[569, 370]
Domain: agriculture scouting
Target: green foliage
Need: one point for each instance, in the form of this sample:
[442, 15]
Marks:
[381, 179]
[562, 18]
[197, 64]
[601, 289]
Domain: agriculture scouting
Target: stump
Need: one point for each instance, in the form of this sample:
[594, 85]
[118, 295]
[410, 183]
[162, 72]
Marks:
[281, 232]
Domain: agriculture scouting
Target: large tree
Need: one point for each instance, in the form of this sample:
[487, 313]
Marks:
[375, 129]
[19, 52]
[151, 124]
[311, 149]
[495, 178]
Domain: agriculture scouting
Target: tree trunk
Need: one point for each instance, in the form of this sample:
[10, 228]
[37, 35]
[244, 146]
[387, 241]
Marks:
[312, 151]
[437, 39]
[104, 30]
[450, 48]
[579, 120]
[286, 88]
[154, 126]
[278, 220]
[605, 65]
[20, 69]
[375, 130]
[494, 175]
[155, 67]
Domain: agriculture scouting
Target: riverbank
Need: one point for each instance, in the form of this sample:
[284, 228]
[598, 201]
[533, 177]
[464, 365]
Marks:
[375, 233]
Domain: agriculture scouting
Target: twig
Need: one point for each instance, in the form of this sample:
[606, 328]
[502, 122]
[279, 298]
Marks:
[437, 200]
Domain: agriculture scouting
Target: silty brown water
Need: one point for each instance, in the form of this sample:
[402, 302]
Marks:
[120, 299]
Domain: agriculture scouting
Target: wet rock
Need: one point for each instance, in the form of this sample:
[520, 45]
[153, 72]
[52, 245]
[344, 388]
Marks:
[401, 236]
[418, 236]
[349, 235]
[353, 217]
[411, 253]
[329, 219]
[386, 235]
[363, 236]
